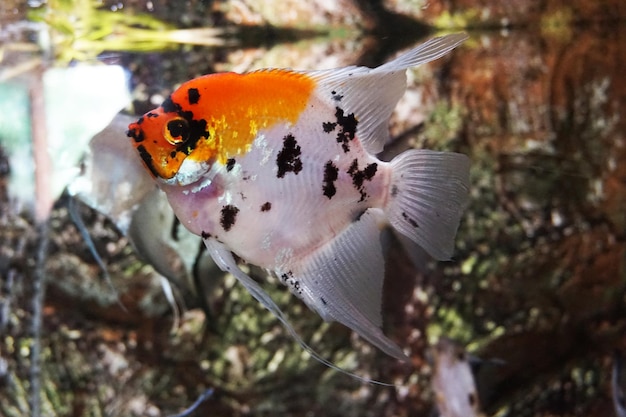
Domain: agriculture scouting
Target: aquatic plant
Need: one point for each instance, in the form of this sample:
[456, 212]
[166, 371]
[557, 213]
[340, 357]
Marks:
[83, 29]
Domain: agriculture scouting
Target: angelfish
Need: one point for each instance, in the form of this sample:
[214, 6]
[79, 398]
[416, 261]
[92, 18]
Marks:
[278, 167]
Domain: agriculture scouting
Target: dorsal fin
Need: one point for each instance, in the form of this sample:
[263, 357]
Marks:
[372, 94]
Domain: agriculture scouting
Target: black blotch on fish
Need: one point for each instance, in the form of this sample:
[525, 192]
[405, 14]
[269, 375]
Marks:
[290, 281]
[336, 97]
[205, 235]
[267, 206]
[169, 106]
[348, 126]
[229, 215]
[193, 95]
[323, 301]
[151, 115]
[331, 173]
[140, 120]
[394, 190]
[147, 159]
[288, 159]
[359, 176]
[136, 134]
[415, 225]
[230, 163]
[328, 126]
[173, 154]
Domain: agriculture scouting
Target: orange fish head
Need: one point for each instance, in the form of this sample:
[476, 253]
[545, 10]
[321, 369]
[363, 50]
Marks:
[166, 137]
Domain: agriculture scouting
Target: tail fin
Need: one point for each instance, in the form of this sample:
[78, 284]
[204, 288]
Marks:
[428, 193]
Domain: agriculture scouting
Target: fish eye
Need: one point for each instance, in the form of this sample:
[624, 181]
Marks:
[176, 131]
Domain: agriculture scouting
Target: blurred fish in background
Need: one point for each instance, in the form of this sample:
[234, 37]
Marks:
[453, 382]
[113, 182]
[110, 181]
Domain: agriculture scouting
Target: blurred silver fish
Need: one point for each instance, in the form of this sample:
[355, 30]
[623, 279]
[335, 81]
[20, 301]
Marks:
[453, 381]
[112, 182]
[126, 194]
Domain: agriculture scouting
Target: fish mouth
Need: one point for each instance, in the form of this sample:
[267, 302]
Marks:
[189, 172]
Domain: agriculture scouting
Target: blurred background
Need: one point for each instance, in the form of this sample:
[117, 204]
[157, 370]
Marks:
[109, 308]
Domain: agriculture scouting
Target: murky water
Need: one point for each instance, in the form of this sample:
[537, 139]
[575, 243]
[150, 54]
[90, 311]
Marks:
[537, 287]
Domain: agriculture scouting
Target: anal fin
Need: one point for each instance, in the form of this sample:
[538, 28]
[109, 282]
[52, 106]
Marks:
[343, 281]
